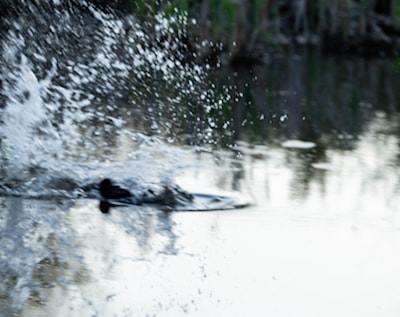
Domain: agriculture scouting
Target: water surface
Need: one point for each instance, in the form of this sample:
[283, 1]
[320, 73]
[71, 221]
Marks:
[312, 141]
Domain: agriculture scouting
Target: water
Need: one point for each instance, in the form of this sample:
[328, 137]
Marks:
[82, 108]
[312, 141]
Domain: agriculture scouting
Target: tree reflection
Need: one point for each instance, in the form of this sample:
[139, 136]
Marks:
[331, 102]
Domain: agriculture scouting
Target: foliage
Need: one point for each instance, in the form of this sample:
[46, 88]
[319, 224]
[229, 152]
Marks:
[396, 11]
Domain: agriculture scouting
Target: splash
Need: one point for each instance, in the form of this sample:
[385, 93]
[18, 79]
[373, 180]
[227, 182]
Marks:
[90, 93]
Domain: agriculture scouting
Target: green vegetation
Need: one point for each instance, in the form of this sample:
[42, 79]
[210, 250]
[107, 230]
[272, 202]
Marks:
[396, 11]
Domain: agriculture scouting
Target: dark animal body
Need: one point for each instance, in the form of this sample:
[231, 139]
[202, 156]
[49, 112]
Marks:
[110, 191]
[113, 195]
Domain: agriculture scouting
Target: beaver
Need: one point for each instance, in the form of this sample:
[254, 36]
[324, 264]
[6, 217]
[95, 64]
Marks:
[113, 195]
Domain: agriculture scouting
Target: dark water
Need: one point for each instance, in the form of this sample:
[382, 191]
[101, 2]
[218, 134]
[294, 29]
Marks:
[309, 96]
[313, 140]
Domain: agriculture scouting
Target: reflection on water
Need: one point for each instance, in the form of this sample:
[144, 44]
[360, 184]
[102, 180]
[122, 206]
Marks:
[309, 97]
[321, 180]
[60, 258]
[47, 253]
[318, 166]
[140, 261]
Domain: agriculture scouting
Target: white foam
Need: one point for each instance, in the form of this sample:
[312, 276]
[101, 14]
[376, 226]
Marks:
[60, 113]
[323, 166]
[298, 144]
[25, 111]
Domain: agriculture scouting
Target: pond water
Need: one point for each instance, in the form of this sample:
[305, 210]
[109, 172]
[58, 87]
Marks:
[311, 141]
[327, 247]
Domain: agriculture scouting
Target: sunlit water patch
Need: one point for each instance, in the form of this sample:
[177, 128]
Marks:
[35, 240]
[298, 144]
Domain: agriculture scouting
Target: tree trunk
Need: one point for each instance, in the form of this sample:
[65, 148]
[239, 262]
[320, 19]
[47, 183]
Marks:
[240, 32]
[264, 16]
[384, 7]
[204, 22]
